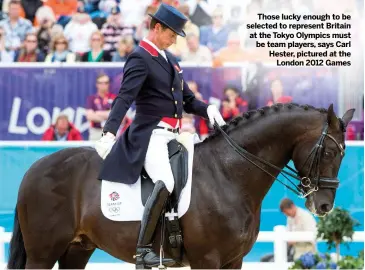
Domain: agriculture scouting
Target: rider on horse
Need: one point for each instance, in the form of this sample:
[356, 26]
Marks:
[153, 79]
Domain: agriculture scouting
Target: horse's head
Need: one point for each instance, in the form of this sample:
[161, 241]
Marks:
[318, 156]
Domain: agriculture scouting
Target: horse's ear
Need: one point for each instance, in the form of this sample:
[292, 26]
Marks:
[332, 118]
[347, 117]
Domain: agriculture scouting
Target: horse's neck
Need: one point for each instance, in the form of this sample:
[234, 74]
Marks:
[272, 139]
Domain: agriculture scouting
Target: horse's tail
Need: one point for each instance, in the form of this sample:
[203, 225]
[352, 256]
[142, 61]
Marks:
[17, 254]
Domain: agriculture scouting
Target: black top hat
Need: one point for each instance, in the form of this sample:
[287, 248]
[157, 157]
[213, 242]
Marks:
[171, 17]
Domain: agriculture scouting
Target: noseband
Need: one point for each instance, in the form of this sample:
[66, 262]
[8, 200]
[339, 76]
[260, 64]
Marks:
[307, 184]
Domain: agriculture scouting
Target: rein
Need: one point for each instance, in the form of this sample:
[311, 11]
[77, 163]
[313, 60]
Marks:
[304, 181]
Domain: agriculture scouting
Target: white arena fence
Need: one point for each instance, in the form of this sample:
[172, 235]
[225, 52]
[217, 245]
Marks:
[280, 236]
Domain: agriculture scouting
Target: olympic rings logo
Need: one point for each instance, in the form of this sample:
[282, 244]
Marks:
[114, 210]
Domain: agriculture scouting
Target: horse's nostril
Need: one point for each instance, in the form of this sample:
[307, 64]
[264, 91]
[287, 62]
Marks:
[325, 207]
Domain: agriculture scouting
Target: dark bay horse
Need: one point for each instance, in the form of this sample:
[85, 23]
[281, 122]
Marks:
[58, 216]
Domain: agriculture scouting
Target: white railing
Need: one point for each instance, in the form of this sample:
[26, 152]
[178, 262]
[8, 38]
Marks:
[280, 236]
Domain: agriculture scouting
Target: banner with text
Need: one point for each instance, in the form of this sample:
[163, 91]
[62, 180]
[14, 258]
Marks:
[32, 98]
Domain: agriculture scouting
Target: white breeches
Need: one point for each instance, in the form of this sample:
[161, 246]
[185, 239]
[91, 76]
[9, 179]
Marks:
[157, 163]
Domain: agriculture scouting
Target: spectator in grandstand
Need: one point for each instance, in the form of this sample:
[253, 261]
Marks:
[125, 47]
[59, 51]
[30, 8]
[29, 51]
[114, 29]
[250, 17]
[133, 12]
[195, 52]
[5, 56]
[143, 27]
[15, 27]
[215, 36]
[201, 124]
[62, 130]
[232, 52]
[63, 9]
[299, 219]
[78, 32]
[98, 107]
[277, 92]
[200, 12]
[46, 20]
[233, 104]
[97, 53]
[106, 5]
[181, 43]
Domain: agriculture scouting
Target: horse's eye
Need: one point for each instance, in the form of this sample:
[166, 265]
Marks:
[329, 154]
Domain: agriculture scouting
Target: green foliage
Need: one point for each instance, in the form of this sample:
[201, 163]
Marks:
[335, 226]
[349, 262]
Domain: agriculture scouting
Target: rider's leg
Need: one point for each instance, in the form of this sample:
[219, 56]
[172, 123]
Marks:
[157, 165]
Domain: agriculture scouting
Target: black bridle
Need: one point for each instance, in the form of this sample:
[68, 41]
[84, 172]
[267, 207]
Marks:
[308, 184]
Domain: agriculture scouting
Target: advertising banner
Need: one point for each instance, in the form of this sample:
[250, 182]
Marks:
[32, 98]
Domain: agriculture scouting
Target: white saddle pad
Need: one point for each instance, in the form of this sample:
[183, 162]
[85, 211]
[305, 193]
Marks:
[122, 202]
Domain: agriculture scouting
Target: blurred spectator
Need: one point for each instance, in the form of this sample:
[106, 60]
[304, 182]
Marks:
[134, 13]
[107, 5]
[5, 56]
[56, 30]
[201, 124]
[277, 93]
[250, 17]
[196, 52]
[15, 27]
[63, 9]
[232, 104]
[60, 52]
[29, 52]
[199, 12]
[215, 36]
[125, 47]
[187, 123]
[78, 32]
[46, 22]
[143, 27]
[181, 43]
[62, 130]
[96, 54]
[30, 8]
[5, 8]
[98, 107]
[230, 53]
[298, 220]
[113, 29]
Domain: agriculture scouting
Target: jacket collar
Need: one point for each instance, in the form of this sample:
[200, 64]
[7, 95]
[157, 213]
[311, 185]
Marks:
[152, 51]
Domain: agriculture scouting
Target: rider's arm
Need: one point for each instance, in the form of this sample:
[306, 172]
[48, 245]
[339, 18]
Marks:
[135, 74]
[192, 104]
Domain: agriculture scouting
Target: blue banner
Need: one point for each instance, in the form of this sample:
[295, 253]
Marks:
[31, 98]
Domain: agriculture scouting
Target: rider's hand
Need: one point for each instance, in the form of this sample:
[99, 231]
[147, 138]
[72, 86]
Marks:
[215, 115]
[105, 144]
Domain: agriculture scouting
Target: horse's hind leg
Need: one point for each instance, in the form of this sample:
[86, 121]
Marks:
[75, 257]
[44, 257]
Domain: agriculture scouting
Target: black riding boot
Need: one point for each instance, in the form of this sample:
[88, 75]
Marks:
[145, 257]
